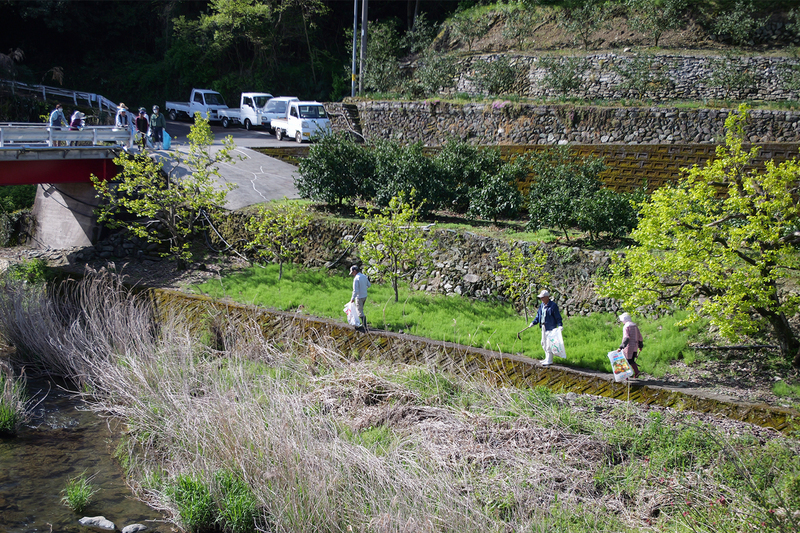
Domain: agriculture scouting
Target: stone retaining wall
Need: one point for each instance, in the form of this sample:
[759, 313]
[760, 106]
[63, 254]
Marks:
[664, 77]
[498, 369]
[506, 123]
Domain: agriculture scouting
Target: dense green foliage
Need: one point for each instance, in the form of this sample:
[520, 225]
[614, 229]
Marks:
[722, 242]
[279, 231]
[567, 193]
[168, 208]
[394, 244]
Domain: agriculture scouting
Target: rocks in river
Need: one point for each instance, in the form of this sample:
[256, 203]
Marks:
[98, 522]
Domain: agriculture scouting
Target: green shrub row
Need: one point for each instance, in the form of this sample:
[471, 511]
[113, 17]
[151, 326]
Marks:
[566, 191]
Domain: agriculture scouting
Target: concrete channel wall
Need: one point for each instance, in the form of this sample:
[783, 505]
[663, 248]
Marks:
[499, 369]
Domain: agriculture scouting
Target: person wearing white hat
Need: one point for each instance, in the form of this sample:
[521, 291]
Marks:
[632, 341]
[549, 317]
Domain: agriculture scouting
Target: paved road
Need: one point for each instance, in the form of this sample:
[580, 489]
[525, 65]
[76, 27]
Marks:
[259, 177]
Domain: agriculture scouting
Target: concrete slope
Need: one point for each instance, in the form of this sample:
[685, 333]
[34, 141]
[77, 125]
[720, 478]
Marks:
[258, 178]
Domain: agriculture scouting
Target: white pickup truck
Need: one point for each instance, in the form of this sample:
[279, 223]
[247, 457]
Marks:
[203, 101]
[303, 121]
[250, 113]
[276, 108]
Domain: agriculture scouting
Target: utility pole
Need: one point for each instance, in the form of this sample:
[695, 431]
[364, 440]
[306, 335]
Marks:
[355, 36]
[363, 45]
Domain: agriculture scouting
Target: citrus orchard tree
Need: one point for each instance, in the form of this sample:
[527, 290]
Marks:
[723, 242]
[279, 231]
[522, 273]
[394, 244]
[167, 206]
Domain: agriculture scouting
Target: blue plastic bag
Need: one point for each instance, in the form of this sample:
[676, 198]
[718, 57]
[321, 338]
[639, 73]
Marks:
[167, 141]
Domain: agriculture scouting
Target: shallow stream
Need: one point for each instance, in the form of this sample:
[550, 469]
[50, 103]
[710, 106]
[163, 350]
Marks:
[61, 441]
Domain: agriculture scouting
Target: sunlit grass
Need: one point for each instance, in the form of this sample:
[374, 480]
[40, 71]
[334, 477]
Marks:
[481, 324]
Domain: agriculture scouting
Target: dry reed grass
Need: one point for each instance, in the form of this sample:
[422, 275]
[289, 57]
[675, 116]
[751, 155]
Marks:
[289, 418]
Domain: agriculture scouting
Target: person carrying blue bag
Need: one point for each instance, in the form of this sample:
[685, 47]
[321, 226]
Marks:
[549, 317]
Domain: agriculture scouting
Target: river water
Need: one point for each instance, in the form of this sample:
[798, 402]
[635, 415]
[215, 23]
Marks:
[62, 440]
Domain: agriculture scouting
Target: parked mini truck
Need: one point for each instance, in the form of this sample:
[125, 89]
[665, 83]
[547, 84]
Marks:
[276, 108]
[250, 113]
[203, 101]
[303, 121]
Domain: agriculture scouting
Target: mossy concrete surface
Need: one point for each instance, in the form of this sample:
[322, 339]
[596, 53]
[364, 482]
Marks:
[209, 316]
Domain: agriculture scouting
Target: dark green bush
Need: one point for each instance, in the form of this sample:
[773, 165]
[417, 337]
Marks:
[403, 168]
[336, 170]
[464, 168]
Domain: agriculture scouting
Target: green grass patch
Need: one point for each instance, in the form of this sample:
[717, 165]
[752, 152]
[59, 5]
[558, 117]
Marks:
[194, 503]
[488, 325]
[785, 390]
[78, 493]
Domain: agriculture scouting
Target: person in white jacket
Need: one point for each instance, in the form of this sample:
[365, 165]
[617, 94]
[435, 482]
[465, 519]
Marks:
[360, 285]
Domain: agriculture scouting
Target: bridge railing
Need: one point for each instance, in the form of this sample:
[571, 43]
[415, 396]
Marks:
[14, 135]
[102, 102]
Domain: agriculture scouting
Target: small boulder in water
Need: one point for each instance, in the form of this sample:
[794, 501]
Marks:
[134, 528]
[98, 522]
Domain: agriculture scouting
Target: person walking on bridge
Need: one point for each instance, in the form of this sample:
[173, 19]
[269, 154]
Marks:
[157, 125]
[56, 120]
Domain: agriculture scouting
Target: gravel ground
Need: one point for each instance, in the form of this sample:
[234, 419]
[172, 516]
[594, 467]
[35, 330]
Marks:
[739, 375]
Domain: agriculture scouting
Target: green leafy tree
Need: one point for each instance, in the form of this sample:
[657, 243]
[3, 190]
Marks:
[400, 169]
[737, 23]
[562, 185]
[733, 80]
[722, 242]
[641, 74]
[654, 17]
[563, 75]
[168, 207]
[336, 170]
[394, 245]
[495, 77]
[468, 27]
[435, 71]
[521, 274]
[279, 231]
[498, 195]
[582, 18]
[381, 67]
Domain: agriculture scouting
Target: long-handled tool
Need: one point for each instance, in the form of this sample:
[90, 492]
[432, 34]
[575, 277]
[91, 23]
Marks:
[521, 331]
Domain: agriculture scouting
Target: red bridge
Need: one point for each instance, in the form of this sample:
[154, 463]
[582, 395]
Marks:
[38, 154]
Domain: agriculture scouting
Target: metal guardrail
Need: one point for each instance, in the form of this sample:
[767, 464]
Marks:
[102, 102]
[15, 135]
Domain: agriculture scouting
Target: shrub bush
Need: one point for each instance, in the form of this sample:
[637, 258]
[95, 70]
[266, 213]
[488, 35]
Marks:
[336, 170]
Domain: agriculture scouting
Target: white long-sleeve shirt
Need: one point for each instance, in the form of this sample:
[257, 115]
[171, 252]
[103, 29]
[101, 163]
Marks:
[360, 285]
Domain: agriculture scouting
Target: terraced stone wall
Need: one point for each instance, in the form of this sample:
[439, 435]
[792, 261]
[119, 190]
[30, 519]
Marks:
[501, 123]
[662, 77]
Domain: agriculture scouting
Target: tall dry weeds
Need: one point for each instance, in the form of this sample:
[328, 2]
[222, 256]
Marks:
[193, 410]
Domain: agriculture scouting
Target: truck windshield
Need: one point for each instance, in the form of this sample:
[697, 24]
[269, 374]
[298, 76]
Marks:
[214, 99]
[261, 101]
[312, 111]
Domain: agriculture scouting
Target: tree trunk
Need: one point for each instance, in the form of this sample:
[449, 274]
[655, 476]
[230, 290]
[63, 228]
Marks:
[787, 341]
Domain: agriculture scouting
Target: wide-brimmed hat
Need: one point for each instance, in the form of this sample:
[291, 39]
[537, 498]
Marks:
[544, 293]
[625, 317]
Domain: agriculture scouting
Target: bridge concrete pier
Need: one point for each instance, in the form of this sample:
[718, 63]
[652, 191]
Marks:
[64, 214]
